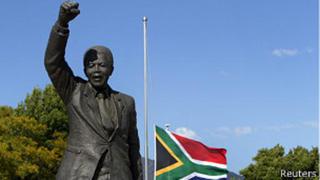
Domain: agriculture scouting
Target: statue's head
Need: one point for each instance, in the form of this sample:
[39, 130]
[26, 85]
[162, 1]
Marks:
[98, 65]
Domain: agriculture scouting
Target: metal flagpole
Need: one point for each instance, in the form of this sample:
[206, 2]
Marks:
[146, 147]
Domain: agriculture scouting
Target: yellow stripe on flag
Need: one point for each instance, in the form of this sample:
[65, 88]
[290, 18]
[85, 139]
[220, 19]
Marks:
[173, 166]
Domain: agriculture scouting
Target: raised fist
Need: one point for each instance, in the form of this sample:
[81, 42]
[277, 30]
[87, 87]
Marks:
[68, 11]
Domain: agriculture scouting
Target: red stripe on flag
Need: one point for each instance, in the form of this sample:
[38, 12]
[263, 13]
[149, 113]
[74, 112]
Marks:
[201, 152]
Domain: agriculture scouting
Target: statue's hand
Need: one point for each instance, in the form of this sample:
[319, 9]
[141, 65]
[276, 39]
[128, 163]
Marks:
[68, 11]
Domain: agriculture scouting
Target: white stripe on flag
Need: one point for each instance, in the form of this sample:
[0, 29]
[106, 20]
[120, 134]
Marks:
[203, 176]
[223, 166]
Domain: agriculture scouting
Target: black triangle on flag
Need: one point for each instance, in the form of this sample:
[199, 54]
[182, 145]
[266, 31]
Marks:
[164, 158]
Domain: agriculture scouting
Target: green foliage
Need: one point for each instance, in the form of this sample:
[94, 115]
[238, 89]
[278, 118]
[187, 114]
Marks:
[268, 163]
[46, 107]
[21, 155]
[33, 136]
[6, 111]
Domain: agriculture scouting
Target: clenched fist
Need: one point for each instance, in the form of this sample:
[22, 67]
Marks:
[68, 11]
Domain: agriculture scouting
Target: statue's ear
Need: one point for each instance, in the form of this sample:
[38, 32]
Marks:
[111, 71]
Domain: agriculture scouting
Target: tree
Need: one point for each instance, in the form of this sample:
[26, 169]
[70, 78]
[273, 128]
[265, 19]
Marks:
[6, 111]
[268, 163]
[33, 136]
[47, 108]
[21, 154]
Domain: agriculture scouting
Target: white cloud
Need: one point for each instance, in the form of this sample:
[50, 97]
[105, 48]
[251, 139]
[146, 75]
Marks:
[238, 131]
[285, 52]
[223, 73]
[221, 132]
[281, 127]
[312, 124]
[293, 125]
[309, 50]
[183, 131]
[224, 132]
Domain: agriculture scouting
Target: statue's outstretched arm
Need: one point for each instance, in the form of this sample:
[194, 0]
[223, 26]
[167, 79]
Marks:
[58, 70]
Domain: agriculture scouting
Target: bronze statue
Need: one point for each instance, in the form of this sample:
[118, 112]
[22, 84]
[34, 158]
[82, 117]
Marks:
[103, 140]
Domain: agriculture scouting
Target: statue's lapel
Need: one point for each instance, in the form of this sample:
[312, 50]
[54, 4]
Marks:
[119, 110]
[95, 120]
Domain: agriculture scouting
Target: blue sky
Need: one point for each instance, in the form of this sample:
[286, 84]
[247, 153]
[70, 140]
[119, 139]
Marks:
[242, 75]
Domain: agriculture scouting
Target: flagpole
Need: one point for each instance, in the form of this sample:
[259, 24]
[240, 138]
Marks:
[146, 147]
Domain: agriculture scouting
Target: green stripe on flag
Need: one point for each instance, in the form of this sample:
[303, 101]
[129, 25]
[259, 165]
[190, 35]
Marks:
[188, 166]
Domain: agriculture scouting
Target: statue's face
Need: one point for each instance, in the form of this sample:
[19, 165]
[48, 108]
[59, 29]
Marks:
[98, 71]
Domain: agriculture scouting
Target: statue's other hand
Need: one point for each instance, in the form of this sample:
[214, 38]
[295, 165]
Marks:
[68, 11]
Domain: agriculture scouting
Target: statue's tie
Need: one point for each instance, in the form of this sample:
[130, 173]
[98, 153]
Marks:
[105, 111]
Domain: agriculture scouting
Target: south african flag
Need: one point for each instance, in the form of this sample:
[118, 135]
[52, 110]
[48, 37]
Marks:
[178, 157]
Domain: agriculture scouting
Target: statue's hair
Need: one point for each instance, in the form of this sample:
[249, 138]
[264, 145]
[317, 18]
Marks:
[92, 54]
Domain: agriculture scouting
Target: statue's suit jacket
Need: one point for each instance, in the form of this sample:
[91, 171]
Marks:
[87, 140]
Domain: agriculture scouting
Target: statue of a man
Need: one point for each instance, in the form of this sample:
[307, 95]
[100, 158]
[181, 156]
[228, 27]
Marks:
[103, 140]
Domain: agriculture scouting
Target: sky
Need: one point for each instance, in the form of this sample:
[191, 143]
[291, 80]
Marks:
[242, 75]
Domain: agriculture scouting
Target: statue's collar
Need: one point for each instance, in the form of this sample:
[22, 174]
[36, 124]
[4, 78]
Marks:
[106, 91]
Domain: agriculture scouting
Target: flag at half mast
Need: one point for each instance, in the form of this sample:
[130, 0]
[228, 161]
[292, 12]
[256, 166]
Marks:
[178, 157]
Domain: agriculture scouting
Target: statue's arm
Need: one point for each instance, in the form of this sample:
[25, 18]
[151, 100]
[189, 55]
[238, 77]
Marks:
[58, 70]
[134, 146]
